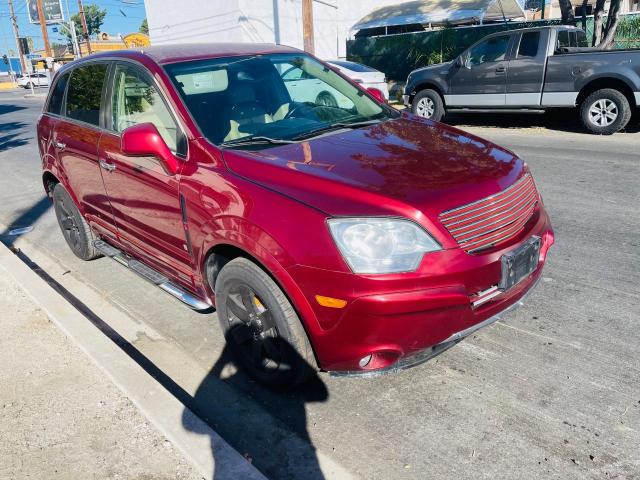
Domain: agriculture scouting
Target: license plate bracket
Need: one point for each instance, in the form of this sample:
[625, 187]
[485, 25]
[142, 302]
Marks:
[519, 263]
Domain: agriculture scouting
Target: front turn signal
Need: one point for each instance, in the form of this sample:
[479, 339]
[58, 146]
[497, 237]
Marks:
[331, 302]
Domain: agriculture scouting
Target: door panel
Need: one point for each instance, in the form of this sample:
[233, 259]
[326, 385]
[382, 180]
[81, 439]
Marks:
[144, 196]
[76, 138]
[526, 70]
[484, 82]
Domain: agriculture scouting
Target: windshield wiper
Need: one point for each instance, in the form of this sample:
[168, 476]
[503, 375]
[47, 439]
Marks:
[336, 126]
[257, 139]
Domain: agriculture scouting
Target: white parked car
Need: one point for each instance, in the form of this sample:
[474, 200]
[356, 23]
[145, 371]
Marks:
[35, 79]
[309, 89]
[368, 77]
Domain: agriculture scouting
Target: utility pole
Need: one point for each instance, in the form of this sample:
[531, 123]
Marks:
[16, 32]
[74, 40]
[45, 34]
[307, 25]
[85, 30]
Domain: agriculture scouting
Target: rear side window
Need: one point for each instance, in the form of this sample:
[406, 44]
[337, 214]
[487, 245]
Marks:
[85, 93]
[529, 44]
[572, 38]
[57, 95]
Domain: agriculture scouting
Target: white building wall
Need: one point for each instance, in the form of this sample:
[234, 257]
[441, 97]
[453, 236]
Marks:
[257, 21]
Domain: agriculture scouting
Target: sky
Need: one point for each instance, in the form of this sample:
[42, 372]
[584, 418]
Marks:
[115, 22]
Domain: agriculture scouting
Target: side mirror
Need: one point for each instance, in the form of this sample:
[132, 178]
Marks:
[145, 140]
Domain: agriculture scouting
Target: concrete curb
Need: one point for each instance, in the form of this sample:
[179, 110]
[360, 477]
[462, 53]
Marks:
[199, 444]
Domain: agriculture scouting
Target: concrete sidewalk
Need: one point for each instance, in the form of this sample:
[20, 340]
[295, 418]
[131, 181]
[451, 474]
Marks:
[60, 417]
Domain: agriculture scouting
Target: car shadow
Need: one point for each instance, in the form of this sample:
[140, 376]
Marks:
[563, 120]
[268, 426]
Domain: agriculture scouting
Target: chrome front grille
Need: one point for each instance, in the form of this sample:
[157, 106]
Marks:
[494, 219]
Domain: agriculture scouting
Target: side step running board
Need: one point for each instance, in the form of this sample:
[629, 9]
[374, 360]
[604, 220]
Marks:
[151, 275]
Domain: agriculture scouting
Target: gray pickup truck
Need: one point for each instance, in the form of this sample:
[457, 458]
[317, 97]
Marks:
[537, 69]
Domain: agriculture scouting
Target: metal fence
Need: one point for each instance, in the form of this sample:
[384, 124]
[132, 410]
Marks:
[397, 55]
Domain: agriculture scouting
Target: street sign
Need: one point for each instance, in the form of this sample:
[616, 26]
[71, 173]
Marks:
[52, 11]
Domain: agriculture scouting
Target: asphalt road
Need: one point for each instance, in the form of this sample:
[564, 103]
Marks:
[552, 391]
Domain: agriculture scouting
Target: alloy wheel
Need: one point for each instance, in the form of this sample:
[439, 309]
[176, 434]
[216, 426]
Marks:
[70, 228]
[252, 328]
[425, 107]
[603, 112]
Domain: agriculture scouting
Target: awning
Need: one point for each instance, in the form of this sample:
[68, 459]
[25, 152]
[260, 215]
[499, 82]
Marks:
[436, 12]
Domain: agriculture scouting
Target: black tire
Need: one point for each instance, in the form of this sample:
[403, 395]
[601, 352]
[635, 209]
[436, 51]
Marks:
[326, 99]
[428, 104]
[605, 111]
[261, 326]
[74, 228]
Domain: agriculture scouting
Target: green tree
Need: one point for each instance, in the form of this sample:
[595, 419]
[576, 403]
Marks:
[95, 18]
[144, 27]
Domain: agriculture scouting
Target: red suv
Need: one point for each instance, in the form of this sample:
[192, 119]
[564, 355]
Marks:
[324, 226]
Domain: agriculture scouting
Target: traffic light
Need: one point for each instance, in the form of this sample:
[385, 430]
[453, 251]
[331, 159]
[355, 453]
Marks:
[5, 59]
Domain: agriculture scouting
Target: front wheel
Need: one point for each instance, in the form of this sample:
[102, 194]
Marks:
[261, 326]
[428, 104]
[605, 111]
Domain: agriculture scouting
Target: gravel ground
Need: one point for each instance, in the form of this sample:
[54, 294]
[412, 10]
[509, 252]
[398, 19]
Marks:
[61, 418]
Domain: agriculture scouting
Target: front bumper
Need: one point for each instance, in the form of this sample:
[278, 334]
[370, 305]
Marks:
[427, 354]
[406, 100]
[402, 320]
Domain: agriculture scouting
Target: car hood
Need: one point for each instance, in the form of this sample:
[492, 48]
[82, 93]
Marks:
[433, 69]
[408, 166]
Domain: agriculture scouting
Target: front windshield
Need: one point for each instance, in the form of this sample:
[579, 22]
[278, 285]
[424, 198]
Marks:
[281, 97]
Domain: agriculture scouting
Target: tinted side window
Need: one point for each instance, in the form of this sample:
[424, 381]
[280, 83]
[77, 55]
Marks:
[581, 39]
[563, 39]
[57, 95]
[492, 50]
[85, 92]
[136, 100]
[574, 38]
[529, 44]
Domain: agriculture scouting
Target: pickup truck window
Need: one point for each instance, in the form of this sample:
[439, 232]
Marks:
[529, 44]
[493, 49]
[572, 38]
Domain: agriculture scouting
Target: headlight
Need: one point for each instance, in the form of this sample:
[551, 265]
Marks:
[381, 245]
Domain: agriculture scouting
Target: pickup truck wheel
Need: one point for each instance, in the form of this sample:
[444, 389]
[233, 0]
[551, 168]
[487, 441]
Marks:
[74, 228]
[261, 326]
[605, 111]
[428, 104]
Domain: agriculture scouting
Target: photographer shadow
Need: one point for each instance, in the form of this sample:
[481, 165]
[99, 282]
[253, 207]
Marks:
[266, 425]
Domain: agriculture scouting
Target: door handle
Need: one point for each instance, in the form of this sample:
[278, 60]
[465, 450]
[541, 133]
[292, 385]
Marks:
[59, 145]
[501, 70]
[110, 167]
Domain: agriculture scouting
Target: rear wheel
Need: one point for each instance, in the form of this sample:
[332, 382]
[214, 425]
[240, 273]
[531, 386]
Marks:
[261, 326]
[74, 228]
[428, 104]
[605, 111]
